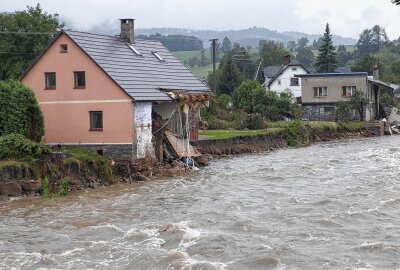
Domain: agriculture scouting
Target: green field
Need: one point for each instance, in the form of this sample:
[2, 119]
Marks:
[185, 55]
[200, 72]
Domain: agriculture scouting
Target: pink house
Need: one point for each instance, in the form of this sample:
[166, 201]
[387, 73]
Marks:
[101, 91]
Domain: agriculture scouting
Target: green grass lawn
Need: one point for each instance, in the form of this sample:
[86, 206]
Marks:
[226, 134]
[200, 72]
[185, 55]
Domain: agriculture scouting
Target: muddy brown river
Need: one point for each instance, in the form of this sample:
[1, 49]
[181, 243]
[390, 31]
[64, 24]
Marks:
[328, 206]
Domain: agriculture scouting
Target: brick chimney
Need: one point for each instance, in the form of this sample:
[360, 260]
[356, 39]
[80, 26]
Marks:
[128, 30]
[375, 72]
[286, 60]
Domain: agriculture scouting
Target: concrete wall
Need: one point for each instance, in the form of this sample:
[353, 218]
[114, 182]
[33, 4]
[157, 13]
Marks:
[143, 120]
[66, 110]
[334, 85]
[324, 112]
[285, 77]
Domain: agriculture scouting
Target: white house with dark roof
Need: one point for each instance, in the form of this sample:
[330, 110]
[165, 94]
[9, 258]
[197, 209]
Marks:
[103, 91]
[281, 78]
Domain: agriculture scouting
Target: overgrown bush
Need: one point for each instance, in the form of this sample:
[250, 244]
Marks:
[342, 112]
[215, 123]
[17, 146]
[19, 111]
[251, 97]
[254, 121]
[296, 133]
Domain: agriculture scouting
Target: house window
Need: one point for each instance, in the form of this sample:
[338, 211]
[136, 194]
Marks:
[294, 81]
[158, 56]
[134, 50]
[79, 78]
[347, 91]
[329, 109]
[63, 48]
[294, 68]
[320, 91]
[50, 80]
[279, 81]
[96, 120]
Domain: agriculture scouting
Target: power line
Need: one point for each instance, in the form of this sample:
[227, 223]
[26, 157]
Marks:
[27, 33]
[16, 53]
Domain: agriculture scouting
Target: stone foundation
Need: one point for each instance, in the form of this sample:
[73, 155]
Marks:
[114, 151]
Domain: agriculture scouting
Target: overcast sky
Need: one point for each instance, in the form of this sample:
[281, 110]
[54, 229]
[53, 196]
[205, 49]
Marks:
[346, 17]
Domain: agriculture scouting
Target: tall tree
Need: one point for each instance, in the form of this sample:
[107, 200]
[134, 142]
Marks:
[371, 40]
[18, 50]
[364, 43]
[305, 56]
[326, 59]
[365, 64]
[343, 56]
[228, 76]
[271, 52]
[291, 45]
[226, 45]
[379, 37]
[302, 42]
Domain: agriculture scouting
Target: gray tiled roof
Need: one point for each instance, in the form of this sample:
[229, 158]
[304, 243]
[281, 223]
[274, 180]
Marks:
[141, 76]
[271, 71]
[338, 70]
[275, 71]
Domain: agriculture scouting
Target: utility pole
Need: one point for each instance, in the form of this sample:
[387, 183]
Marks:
[214, 50]
[241, 57]
[258, 69]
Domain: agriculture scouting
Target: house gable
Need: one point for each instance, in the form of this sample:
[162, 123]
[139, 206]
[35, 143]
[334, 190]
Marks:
[99, 86]
[67, 108]
[282, 80]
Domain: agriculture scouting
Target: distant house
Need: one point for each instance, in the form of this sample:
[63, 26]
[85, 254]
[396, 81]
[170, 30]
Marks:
[104, 91]
[281, 78]
[321, 91]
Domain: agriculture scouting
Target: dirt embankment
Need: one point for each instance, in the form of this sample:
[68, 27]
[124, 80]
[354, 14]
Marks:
[25, 179]
[260, 143]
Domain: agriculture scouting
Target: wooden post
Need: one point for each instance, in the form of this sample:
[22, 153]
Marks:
[129, 173]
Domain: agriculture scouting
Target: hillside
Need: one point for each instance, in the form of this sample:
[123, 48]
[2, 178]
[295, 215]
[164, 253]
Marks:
[245, 37]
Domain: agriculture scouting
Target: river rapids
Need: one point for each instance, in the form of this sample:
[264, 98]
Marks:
[332, 205]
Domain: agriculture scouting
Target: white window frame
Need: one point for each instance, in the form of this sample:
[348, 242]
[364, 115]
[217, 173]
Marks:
[294, 79]
[320, 91]
[134, 50]
[347, 91]
[158, 56]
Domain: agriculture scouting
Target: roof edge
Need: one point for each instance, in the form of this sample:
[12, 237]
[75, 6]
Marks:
[31, 65]
[282, 70]
[333, 74]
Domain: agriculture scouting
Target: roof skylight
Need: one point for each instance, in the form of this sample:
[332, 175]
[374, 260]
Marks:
[158, 56]
[134, 49]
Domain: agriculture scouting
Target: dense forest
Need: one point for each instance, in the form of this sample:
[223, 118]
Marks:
[176, 42]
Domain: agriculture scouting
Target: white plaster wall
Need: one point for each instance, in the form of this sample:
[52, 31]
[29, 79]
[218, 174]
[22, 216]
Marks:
[285, 80]
[143, 129]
